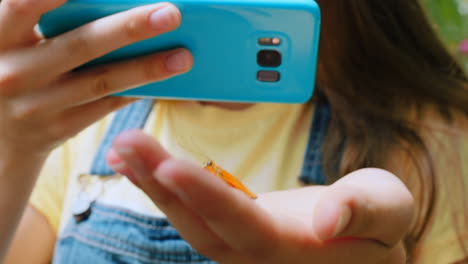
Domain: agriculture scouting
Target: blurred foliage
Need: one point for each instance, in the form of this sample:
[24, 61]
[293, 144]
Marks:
[450, 18]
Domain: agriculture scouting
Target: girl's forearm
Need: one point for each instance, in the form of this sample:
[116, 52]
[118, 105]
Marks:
[18, 174]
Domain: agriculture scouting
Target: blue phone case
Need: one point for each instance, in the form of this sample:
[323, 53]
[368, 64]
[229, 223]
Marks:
[226, 38]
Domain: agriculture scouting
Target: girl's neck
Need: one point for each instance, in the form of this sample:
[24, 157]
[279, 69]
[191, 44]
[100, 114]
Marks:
[228, 106]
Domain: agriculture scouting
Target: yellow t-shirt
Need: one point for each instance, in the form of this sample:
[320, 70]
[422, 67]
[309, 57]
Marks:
[262, 145]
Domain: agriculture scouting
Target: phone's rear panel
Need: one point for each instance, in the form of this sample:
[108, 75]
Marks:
[224, 39]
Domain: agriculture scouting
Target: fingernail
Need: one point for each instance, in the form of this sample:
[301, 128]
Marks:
[135, 165]
[113, 157]
[125, 152]
[179, 61]
[119, 165]
[343, 221]
[164, 18]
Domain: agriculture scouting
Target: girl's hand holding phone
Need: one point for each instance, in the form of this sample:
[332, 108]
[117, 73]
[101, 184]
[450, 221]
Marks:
[361, 218]
[42, 101]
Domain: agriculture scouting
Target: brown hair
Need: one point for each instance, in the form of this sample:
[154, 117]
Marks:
[381, 62]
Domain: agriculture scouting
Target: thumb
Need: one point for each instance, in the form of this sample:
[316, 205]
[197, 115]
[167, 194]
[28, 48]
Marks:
[369, 203]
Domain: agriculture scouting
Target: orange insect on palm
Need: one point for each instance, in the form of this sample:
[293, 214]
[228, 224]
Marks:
[228, 178]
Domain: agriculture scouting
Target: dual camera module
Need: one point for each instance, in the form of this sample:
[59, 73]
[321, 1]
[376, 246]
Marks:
[269, 58]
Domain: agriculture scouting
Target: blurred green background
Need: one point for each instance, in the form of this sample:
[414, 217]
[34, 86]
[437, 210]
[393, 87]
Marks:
[450, 18]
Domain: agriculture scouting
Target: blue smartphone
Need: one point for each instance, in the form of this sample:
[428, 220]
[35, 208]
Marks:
[244, 50]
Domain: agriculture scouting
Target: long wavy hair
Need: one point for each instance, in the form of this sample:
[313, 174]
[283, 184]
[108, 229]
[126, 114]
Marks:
[380, 63]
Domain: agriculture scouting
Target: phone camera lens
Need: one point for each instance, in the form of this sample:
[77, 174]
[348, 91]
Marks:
[269, 58]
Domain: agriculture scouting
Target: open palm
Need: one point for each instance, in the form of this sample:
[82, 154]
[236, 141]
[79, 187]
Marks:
[359, 219]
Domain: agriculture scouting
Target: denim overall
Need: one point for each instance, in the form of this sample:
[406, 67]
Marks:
[107, 234]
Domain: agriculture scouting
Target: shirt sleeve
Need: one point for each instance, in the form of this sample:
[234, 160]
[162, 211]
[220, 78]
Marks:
[49, 192]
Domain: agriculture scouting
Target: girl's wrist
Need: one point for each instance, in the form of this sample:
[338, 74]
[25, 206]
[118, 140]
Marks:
[13, 153]
[18, 173]
[19, 164]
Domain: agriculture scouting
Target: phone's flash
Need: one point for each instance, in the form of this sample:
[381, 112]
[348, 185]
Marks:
[269, 41]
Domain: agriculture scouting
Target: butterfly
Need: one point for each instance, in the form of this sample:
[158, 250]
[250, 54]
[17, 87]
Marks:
[228, 178]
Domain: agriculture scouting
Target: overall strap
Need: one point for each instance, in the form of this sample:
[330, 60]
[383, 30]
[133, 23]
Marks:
[133, 116]
[312, 170]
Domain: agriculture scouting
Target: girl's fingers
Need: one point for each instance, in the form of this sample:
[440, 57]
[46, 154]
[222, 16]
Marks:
[78, 118]
[135, 154]
[148, 150]
[367, 204]
[66, 52]
[104, 35]
[234, 217]
[89, 85]
[18, 18]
